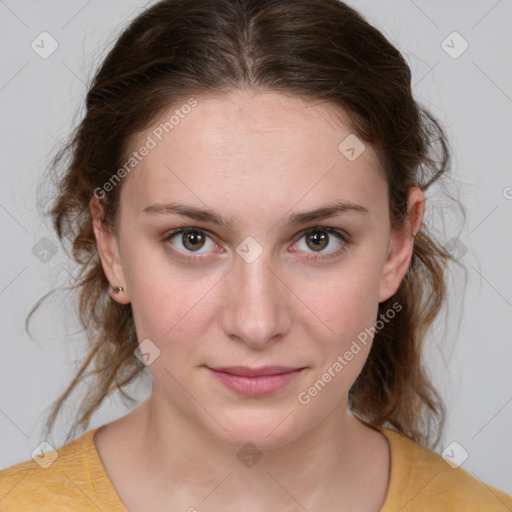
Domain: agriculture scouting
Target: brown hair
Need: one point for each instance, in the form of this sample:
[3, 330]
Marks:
[317, 49]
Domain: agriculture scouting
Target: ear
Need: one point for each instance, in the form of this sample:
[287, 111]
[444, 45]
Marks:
[108, 250]
[401, 245]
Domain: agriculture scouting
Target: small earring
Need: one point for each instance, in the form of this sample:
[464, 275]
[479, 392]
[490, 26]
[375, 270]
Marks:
[117, 289]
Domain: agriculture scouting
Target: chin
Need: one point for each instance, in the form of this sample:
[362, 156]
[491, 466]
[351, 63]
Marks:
[265, 429]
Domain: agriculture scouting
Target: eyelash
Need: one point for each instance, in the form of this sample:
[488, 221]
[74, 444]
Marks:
[345, 238]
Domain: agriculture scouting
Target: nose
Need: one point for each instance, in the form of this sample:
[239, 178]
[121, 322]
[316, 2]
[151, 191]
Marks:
[258, 308]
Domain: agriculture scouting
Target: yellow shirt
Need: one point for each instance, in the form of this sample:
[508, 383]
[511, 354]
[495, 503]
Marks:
[76, 481]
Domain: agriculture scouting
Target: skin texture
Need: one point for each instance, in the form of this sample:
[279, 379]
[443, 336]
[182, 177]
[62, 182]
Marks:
[256, 158]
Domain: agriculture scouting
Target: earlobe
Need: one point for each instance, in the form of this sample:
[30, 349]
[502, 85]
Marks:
[108, 251]
[402, 245]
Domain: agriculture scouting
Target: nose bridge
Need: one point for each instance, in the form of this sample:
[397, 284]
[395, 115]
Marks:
[257, 310]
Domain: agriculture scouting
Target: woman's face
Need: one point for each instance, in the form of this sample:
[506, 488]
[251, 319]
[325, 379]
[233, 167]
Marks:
[272, 288]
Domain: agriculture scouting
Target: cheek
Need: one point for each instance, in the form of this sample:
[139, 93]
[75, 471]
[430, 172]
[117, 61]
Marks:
[172, 305]
[343, 311]
[343, 303]
[338, 322]
[168, 308]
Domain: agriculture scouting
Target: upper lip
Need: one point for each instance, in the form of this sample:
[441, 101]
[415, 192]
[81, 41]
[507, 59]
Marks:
[247, 371]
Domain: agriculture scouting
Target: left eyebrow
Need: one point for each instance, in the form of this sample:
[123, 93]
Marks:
[330, 210]
[207, 215]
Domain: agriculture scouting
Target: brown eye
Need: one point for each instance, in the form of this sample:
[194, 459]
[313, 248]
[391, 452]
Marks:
[192, 240]
[324, 240]
[317, 240]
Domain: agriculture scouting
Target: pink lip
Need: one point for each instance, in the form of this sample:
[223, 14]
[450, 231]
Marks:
[255, 381]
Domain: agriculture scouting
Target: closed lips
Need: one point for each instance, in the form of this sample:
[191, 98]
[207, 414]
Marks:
[244, 371]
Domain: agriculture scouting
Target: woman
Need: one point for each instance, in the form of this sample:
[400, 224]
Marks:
[245, 198]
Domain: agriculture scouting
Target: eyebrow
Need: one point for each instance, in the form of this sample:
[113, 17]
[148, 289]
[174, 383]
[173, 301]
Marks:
[209, 216]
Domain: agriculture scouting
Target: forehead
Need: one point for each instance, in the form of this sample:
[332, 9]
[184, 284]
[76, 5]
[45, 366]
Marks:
[264, 146]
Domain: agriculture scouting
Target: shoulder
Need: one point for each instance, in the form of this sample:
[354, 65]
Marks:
[421, 479]
[59, 480]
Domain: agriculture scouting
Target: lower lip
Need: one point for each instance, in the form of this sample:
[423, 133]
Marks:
[255, 386]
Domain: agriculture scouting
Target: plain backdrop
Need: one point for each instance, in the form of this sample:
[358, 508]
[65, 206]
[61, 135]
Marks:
[459, 53]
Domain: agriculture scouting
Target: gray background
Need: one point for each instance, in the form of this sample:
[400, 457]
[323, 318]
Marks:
[471, 95]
